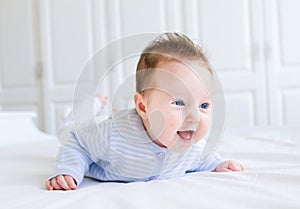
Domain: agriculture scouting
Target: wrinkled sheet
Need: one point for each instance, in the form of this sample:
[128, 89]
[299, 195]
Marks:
[271, 178]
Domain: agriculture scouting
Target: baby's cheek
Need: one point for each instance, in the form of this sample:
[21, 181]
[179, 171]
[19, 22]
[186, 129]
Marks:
[203, 127]
[158, 123]
[205, 120]
[175, 117]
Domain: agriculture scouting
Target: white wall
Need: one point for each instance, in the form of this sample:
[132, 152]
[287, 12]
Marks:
[252, 44]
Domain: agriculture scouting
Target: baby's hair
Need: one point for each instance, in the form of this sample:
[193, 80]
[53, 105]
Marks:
[166, 47]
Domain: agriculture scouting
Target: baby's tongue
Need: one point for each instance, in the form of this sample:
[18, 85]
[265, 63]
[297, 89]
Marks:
[185, 134]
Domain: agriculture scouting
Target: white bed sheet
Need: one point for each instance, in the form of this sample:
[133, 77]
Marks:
[271, 178]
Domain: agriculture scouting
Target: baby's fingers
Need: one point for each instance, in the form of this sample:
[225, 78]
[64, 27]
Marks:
[55, 185]
[234, 166]
[48, 185]
[62, 182]
[71, 182]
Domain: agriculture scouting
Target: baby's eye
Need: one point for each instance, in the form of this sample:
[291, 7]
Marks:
[204, 105]
[178, 103]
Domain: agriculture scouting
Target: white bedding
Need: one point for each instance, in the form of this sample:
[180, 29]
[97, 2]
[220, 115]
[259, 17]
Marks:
[271, 178]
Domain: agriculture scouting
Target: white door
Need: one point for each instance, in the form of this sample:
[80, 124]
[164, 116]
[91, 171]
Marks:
[232, 32]
[72, 33]
[66, 41]
[20, 70]
[283, 61]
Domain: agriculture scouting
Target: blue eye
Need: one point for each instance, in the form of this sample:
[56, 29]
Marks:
[204, 106]
[178, 103]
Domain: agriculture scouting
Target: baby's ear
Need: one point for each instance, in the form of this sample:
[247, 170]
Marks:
[140, 105]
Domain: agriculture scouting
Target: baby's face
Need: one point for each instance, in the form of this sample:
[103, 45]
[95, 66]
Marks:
[179, 106]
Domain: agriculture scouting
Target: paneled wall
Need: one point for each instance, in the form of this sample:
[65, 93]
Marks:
[252, 44]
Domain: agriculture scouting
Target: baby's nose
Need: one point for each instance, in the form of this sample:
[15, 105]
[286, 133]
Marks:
[192, 115]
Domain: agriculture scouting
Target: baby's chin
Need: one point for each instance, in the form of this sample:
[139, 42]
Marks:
[181, 147]
[180, 144]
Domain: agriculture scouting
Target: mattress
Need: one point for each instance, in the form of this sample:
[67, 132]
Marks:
[271, 157]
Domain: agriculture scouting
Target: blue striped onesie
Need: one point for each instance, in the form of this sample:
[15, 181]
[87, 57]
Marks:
[119, 149]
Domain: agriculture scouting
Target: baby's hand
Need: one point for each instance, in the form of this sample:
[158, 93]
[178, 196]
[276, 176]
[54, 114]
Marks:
[61, 182]
[229, 165]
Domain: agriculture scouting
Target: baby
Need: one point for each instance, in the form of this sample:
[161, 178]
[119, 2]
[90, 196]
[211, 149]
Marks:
[162, 137]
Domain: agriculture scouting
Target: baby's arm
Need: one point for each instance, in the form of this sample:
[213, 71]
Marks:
[229, 165]
[61, 182]
[90, 143]
[72, 163]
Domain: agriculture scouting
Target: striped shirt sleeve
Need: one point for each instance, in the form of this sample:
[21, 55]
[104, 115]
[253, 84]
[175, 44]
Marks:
[88, 144]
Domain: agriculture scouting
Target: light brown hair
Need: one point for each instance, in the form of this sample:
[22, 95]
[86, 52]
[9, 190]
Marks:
[166, 47]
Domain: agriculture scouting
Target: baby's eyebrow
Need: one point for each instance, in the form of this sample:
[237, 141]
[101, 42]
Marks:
[183, 97]
[206, 98]
[183, 94]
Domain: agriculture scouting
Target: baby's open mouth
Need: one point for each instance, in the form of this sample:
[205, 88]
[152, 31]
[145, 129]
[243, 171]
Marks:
[186, 135]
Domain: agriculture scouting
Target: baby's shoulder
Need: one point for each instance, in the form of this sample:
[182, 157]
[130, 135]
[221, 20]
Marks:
[116, 122]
